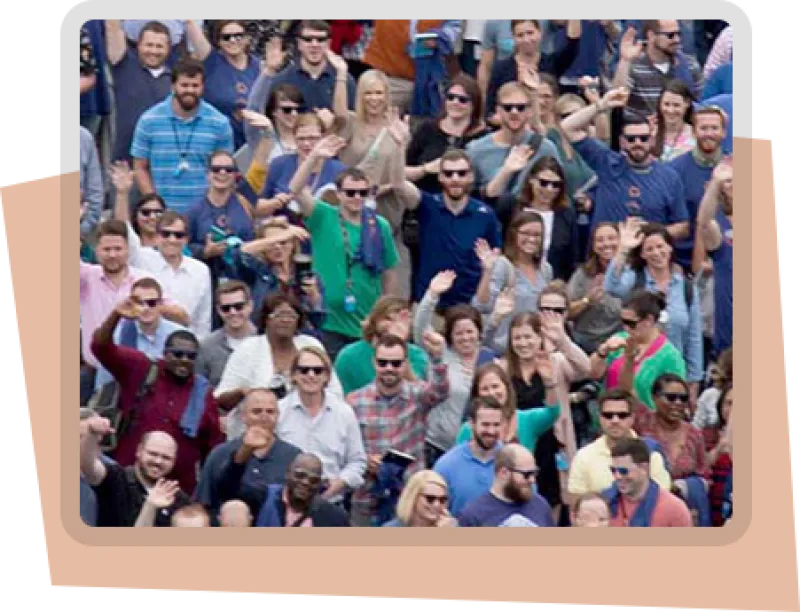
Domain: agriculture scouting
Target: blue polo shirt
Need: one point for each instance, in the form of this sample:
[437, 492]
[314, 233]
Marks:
[227, 89]
[694, 178]
[447, 242]
[655, 193]
[165, 140]
[466, 476]
[317, 93]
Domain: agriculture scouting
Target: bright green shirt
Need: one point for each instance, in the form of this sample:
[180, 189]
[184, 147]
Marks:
[531, 424]
[355, 365]
[330, 263]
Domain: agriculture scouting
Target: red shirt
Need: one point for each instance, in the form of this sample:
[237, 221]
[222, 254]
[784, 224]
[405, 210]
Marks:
[670, 511]
[161, 410]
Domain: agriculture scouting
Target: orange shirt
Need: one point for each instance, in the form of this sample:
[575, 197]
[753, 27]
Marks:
[388, 49]
[670, 511]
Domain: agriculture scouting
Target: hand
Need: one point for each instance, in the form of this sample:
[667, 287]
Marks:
[214, 249]
[614, 343]
[274, 55]
[529, 78]
[589, 86]
[544, 366]
[326, 116]
[433, 343]
[629, 47]
[723, 172]
[630, 235]
[310, 287]
[162, 495]
[337, 62]
[505, 304]
[595, 294]
[97, 426]
[274, 204]
[257, 120]
[84, 209]
[128, 309]
[329, 147]
[121, 176]
[401, 326]
[616, 98]
[446, 520]
[487, 255]
[631, 348]
[298, 233]
[257, 437]
[374, 464]
[442, 282]
[518, 158]
[398, 128]
[553, 327]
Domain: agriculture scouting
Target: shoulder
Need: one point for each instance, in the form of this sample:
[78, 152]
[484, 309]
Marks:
[209, 112]
[195, 266]
[283, 449]
[156, 112]
[479, 144]
[480, 208]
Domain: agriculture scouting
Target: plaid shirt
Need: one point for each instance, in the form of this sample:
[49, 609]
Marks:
[398, 422]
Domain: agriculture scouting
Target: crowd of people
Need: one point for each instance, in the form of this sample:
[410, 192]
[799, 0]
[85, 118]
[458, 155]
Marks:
[406, 273]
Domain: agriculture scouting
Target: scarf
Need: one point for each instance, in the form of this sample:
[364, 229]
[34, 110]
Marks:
[644, 511]
[431, 72]
[193, 415]
[270, 514]
[386, 491]
[370, 252]
[697, 499]
[128, 334]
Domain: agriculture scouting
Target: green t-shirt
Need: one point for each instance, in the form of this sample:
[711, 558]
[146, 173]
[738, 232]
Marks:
[531, 424]
[330, 263]
[356, 369]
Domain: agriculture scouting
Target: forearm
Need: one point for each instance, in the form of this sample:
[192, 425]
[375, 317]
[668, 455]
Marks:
[143, 179]
[390, 282]
[299, 186]
[88, 82]
[709, 205]
[485, 71]
[622, 74]
[498, 184]
[176, 314]
[424, 317]
[336, 487]
[578, 307]
[626, 375]
[598, 367]
[92, 468]
[122, 210]
[198, 40]
[574, 125]
[116, 45]
[483, 293]
[340, 108]
[105, 333]
[227, 401]
[147, 515]
[679, 230]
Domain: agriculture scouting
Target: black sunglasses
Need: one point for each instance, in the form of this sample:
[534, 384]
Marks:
[452, 173]
[318, 39]
[290, 110]
[228, 169]
[237, 307]
[675, 398]
[312, 479]
[172, 234]
[151, 212]
[451, 97]
[629, 322]
[610, 416]
[151, 303]
[179, 354]
[556, 309]
[235, 36]
[431, 499]
[356, 193]
[526, 474]
[305, 370]
[548, 183]
[671, 35]
[395, 363]
[637, 138]
[520, 108]
[622, 471]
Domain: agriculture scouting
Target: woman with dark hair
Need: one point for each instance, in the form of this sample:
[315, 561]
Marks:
[545, 193]
[646, 260]
[673, 128]
[719, 456]
[144, 218]
[547, 93]
[265, 360]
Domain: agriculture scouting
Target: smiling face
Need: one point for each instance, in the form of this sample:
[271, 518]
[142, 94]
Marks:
[525, 342]
[491, 385]
[282, 322]
[709, 132]
[458, 104]
[635, 142]
[232, 40]
[431, 503]
[147, 216]
[606, 243]
[389, 363]
[530, 239]
[188, 90]
[375, 98]
[465, 337]
[456, 178]
[149, 302]
[656, 252]
[303, 480]
[155, 456]
[311, 375]
[547, 186]
[672, 402]
[222, 171]
[546, 98]
[179, 358]
[487, 427]
[352, 195]
[313, 45]
[173, 238]
[153, 49]
[235, 310]
[515, 111]
[632, 477]
[673, 107]
[286, 113]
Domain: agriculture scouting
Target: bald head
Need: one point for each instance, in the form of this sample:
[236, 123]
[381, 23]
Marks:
[307, 461]
[235, 513]
[159, 438]
[511, 455]
[155, 456]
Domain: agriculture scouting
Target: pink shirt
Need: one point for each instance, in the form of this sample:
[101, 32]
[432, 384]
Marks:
[670, 511]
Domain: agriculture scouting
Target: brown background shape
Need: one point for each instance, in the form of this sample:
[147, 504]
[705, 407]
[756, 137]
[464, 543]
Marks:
[762, 530]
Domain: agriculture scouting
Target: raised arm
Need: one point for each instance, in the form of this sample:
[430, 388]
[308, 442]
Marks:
[423, 320]
[326, 148]
[161, 496]
[92, 430]
[517, 159]
[707, 226]
[340, 108]
[629, 50]
[575, 125]
[116, 44]
[198, 41]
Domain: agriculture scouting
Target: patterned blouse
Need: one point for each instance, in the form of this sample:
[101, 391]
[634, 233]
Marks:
[688, 457]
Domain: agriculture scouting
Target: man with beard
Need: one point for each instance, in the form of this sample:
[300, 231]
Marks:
[163, 395]
[503, 159]
[393, 412]
[696, 166]
[511, 502]
[297, 504]
[635, 499]
[468, 467]
[122, 492]
[631, 183]
[450, 223]
[174, 139]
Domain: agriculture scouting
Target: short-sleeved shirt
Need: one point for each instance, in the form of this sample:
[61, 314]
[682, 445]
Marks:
[498, 36]
[227, 89]
[330, 262]
[467, 477]
[356, 369]
[177, 150]
[447, 242]
[654, 193]
[491, 511]
[531, 424]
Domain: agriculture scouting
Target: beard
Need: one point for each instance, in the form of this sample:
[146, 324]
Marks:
[516, 494]
[637, 156]
[486, 442]
[188, 102]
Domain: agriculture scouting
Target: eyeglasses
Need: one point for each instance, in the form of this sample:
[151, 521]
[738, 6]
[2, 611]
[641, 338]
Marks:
[610, 416]
[236, 307]
[218, 169]
[622, 471]
[643, 138]
[172, 234]
[526, 474]
[548, 183]
[151, 303]
[395, 363]
[309, 477]
[451, 97]
[151, 212]
[306, 370]
[179, 354]
[233, 37]
[283, 316]
[313, 138]
[671, 35]
[676, 398]
[556, 309]
[433, 499]
[290, 110]
[316, 39]
[520, 108]
[452, 173]
[630, 323]
[356, 193]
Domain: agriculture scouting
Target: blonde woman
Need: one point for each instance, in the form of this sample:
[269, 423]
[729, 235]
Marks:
[423, 503]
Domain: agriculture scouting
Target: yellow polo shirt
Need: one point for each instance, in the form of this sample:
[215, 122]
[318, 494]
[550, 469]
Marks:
[590, 470]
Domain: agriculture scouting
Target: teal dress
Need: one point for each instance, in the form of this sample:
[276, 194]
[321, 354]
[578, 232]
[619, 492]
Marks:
[531, 424]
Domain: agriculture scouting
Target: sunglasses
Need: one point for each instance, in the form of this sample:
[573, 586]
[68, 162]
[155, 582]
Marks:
[556, 309]
[622, 471]
[395, 363]
[234, 37]
[675, 398]
[179, 354]
[236, 307]
[151, 212]
[520, 108]
[283, 316]
[548, 183]
[172, 234]
[290, 110]
[452, 173]
[671, 35]
[432, 499]
[526, 474]
[305, 370]
[152, 303]
[317, 39]
[356, 193]
[218, 169]
[312, 479]
[610, 416]
[451, 97]
[631, 323]
[643, 138]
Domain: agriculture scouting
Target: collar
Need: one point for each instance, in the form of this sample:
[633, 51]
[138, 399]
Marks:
[472, 207]
[472, 457]
[129, 278]
[404, 394]
[703, 161]
[327, 71]
[171, 111]
[674, 277]
[293, 400]
[225, 338]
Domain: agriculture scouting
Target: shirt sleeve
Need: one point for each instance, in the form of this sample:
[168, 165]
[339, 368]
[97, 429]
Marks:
[658, 472]
[94, 192]
[578, 482]
[355, 456]
[141, 142]
[202, 315]
[677, 209]
[237, 372]
[720, 52]
[597, 155]
[225, 137]
[390, 254]
[619, 284]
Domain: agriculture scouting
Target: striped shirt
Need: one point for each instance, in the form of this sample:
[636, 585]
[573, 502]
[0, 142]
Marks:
[646, 81]
[177, 150]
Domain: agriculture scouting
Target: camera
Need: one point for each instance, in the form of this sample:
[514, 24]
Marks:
[302, 268]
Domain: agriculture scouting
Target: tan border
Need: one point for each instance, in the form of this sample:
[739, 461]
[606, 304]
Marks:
[706, 563]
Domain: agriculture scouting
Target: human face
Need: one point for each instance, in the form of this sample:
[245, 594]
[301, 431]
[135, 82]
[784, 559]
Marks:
[546, 98]
[389, 364]
[286, 112]
[156, 457]
[592, 513]
[190, 521]
[547, 187]
[635, 142]
[282, 322]
[525, 342]
[616, 419]
[311, 374]
[352, 195]
[147, 216]
[668, 39]
[606, 243]
[554, 303]
[465, 337]
[708, 132]
[261, 410]
[486, 428]
[232, 40]
[153, 49]
[431, 503]
[112, 253]
[396, 324]
[173, 238]
[636, 327]
[656, 252]
[278, 253]
[458, 104]
[727, 406]
[527, 37]
[491, 385]
[306, 138]
[222, 172]
[149, 303]
[633, 479]
[375, 99]
[672, 402]
[179, 358]
[188, 91]
[530, 239]
[521, 478]
[313, 45]
[515, 111]
[235, 310]
[303, 480]
[673, 107]
[456, 177]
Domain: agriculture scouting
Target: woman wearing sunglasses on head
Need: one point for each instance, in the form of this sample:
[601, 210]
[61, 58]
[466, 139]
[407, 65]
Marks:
[423, 503]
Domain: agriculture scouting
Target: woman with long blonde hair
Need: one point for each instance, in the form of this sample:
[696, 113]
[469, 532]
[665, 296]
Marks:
[423, 503]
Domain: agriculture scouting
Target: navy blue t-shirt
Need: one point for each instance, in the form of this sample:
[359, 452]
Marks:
[447, 242]
[231, 218]
[694, 178]
[228, 88]
[489, 511]
[655, 193]
[723, 286]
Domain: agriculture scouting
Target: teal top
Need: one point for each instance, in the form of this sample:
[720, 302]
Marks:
[531, 424]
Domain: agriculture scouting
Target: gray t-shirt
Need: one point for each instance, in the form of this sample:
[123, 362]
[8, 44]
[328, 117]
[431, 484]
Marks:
[498, 36]
[599, 321]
